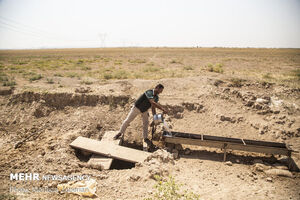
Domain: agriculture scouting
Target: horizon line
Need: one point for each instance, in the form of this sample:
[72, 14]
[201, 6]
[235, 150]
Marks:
[129, 47]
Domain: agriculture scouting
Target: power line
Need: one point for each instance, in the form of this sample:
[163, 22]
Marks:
[26, 26]
[32, 31]
[15, 30]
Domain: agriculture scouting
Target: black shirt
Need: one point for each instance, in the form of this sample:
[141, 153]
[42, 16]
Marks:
[143, 103]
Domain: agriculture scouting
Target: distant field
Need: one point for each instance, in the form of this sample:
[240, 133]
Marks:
[280, 66]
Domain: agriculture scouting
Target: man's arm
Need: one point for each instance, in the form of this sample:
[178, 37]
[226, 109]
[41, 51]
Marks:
[157, 105]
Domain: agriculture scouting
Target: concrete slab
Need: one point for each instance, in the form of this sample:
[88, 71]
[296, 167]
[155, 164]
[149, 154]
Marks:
[100, 159]
[110, 149]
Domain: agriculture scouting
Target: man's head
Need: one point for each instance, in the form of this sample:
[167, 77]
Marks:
[159, 88]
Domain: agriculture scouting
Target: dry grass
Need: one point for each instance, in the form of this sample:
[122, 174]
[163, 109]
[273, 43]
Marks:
[272, 65]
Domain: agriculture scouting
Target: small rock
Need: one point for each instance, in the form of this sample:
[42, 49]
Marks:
[262, 101]
[162, 156]
[269, 179]
[134, 177]
[229, 163]
[261, 132]
[224, 118]
[249, 103]
[52, 185]
[49, 159]
[102, 176]
[138, 165]
[99, 127]
[82, 165]
[43, 153]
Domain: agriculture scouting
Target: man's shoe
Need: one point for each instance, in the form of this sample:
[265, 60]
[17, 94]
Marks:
[147, 140]
[117, 136]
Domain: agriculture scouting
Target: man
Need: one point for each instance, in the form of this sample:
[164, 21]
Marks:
[143, 103]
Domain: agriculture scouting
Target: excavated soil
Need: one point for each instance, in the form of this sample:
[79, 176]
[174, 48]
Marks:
[37, 128]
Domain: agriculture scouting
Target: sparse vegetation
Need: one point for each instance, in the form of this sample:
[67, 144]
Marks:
[168, 63]
[50, 81]
[8, 197]
[121, 74]
[296, 74]
[218, 68]
[108, 76]
[151, 69]
[169, 190]
[118, 62]
[150, 64]
[267, 76]
[188, 68]
[58, 75]
[237, 82]
[137, 61]
[86, 82]
[9, 83]
[72, 74]
[35, 77]
[85, 68]
[175, 62]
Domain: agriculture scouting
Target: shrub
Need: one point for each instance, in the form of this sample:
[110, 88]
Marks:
[175, 62]
[188, 68]
[72, 74]
[58, 74]
[8, 197]
[35, 77]
[50, 81]
[85, 68]
[138, 61]
[237, 82]
[107, 76]
[267, 76]
[296, 74]
[86, 82]
[80, 61]
[151, 69]
[150, 64]
[9, 83]
[121, 74]
[218, 68]
[118, 62]
[3, 77]
[169, 190]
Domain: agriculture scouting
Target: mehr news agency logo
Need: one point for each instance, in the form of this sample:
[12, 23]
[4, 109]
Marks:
[46, 177]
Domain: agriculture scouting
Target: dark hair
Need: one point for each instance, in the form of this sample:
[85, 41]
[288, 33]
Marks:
[160, 86]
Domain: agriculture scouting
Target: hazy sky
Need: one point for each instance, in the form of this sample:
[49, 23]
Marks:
[175, 23]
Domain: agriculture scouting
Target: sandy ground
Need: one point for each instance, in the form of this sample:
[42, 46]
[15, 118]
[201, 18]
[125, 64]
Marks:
[207, 104]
